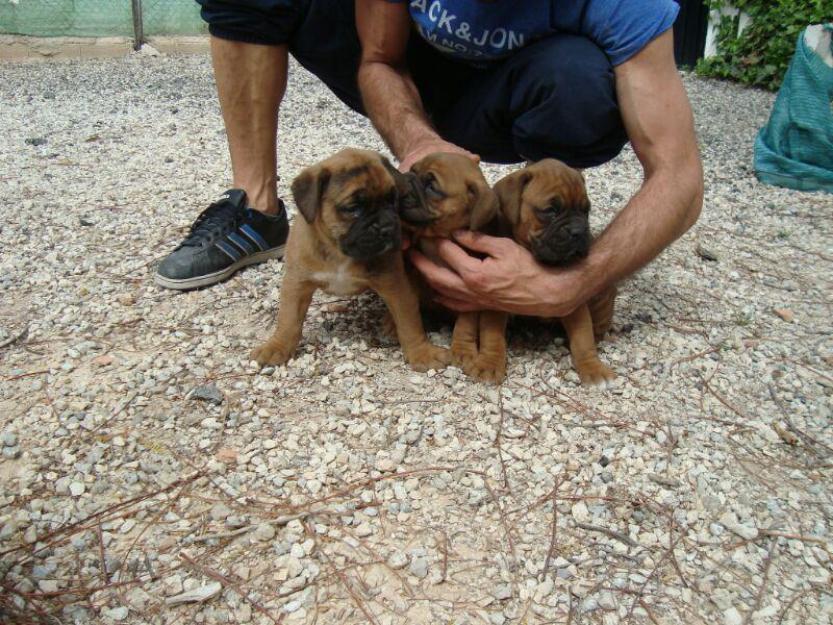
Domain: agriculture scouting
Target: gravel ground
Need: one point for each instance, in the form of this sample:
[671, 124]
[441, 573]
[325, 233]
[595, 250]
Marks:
[149, 474]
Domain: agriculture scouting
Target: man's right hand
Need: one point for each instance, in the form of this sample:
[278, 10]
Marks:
[431, 146]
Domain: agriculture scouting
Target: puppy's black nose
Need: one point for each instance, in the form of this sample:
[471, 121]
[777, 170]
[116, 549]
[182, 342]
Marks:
[576, 232]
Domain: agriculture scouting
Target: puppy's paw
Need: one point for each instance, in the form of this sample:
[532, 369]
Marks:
[428, 356]
[595, 373]
[490, 368]
[271, 354]
[463, 353]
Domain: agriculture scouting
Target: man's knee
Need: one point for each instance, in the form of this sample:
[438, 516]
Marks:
[565, 96]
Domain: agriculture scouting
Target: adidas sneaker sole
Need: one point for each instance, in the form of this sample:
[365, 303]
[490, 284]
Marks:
[185, 284]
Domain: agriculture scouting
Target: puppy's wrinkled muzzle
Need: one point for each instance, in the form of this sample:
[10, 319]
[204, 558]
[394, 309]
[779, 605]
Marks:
[372, 235]
[413, 209]
[561, 244]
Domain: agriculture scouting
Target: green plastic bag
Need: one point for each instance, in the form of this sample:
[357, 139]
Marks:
[795, 148]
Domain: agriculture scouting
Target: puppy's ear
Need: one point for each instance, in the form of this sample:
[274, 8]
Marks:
[399, 179]
[308, 189]
[509, 190]
[485, 207]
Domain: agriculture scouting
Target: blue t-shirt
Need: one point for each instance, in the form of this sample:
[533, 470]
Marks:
[478, 30]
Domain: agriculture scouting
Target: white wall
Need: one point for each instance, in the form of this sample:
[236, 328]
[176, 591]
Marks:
[714, 21]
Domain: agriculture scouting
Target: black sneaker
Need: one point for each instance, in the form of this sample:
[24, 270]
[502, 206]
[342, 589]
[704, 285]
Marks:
[225, 237]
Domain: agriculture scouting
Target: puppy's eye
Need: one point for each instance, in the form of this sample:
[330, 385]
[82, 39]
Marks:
[555, 207]
[350, 209]
[432, 188]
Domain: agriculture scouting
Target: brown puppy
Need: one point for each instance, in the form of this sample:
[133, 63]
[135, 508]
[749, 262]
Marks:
[348, 241]
[547, 206]
[443, 193]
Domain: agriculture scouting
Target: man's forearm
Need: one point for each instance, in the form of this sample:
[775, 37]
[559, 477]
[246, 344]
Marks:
[666, 206]
[393, 104]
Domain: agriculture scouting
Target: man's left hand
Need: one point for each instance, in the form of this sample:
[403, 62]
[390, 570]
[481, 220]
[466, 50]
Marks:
[507, 279]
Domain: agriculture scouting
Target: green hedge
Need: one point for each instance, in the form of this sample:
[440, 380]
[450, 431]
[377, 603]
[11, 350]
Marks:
[761, 54]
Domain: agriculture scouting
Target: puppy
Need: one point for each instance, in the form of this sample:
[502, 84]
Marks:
[547, 207]
[443, 193]
[348, 241]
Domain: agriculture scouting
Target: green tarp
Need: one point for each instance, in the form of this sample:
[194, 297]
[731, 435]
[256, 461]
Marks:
[795, 148]
[98, 18]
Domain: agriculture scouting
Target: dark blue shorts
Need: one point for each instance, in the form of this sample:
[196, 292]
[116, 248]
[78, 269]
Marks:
[553, 98]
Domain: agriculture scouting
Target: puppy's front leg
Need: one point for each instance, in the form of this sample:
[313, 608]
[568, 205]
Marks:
[402, 300]
[490, 363]
[579, 327]
[296, 295]
[464, 339]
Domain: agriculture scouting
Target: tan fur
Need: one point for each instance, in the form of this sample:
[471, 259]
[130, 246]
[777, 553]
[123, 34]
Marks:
[534, 186]
[314, 261]
[478, 343]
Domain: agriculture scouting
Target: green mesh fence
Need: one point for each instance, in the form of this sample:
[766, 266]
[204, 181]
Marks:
[98, 18]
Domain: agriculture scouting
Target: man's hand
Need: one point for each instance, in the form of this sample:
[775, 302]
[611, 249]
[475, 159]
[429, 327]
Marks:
[431, 146]
[508, 279]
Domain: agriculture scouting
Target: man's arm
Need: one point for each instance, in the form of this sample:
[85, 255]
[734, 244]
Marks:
[390, 96]
[660, 126]
[659, 123]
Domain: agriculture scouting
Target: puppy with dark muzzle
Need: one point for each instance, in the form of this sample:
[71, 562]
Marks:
[348, 241]
[547, 206]
[443, 193]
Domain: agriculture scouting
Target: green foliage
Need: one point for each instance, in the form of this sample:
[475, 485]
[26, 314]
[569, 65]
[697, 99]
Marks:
[761, 55]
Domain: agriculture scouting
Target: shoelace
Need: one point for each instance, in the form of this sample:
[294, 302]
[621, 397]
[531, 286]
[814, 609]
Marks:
[217, 219]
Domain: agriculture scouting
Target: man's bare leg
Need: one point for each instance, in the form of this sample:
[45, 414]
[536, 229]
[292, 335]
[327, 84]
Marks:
[251, 82]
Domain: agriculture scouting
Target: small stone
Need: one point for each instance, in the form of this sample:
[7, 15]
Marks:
[398, 560]
[294, 566]
[77, 489]
[48, 585]
[270, 443]
[103, 360]
[242, 571]
[11, 453]
[172, 584]
[264, 532]
[128, 525]
[292, 606]
[9, 439]
[227, 455]
[419, 567]
[297, 551]
[705, 253]
[138, 598]
[116, 614]
[219, 511]
[31, 535]
[732, 617]
[385, 465]
[196, 595]
[364, 530]
[209, 393]
[236, 520]
[785, 313]
[126, 299]
[580, 512]
[497, 618]
[148, 50]
[502, 592]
